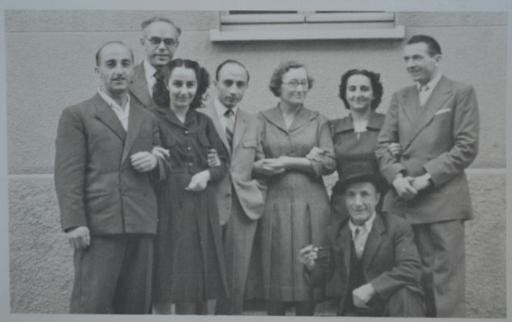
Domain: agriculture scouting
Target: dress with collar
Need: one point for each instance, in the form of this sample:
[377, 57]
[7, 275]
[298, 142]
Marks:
[297, 206]
[349, 146]
[189, 263]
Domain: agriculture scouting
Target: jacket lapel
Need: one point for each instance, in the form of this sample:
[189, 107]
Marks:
[303, 117]
[139, 86]
[340, 234]
[211, 111]
[240, 125]
[107, 116]
[424, 114]
[275, 117]
[134, 123]
[374, 241]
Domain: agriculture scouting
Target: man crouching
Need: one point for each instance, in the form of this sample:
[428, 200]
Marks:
[372, 263]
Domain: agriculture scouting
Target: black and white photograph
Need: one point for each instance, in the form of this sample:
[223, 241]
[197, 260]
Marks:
[230, 161]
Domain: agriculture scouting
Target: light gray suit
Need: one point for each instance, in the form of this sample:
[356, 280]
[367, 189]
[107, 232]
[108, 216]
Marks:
[240, 200]
[440, 138]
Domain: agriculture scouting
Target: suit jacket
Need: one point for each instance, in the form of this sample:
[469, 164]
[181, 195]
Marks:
[250, 193]
[139, 87]
[95, 183]
[390, 259]
[440, 138]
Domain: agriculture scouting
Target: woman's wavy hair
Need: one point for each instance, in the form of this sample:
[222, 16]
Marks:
[374, 78]
[277, 76]
[202, 77]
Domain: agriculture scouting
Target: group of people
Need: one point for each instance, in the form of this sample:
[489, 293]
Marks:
[171, 201]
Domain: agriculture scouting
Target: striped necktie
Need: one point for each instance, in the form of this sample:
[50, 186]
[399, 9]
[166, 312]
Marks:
[230, 126]
[359, 241]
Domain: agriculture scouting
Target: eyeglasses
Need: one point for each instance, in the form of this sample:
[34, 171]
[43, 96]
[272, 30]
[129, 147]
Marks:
[294, 83]
[169, 42]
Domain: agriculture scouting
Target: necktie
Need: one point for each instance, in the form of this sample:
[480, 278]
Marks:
[230, 126]
[160, 92]
[423, 94]
[359, 241]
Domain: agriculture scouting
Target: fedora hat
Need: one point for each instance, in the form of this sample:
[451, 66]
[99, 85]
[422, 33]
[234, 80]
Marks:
[363, 170]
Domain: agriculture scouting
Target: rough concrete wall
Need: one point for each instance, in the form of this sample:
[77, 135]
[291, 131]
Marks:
[41, 259]
[50, 60]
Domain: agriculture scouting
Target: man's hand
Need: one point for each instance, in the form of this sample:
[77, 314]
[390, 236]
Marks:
[199, 181]
[421, 182]
[269, 167]
[160, 152]
[79, 237]
[213, 158]
[143, 161]
[362, 295]
[307, 256]
[404, 188]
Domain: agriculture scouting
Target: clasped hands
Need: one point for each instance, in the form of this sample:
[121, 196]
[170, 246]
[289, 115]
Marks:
[272, 166]
[145, 161]
[408, 187]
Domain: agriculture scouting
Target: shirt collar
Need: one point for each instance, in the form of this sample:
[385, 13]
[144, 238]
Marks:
[221, 109]
[367, 224]
[432, 83]
[113, 104]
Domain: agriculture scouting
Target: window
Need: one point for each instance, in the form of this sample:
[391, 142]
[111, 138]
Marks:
[303, 25]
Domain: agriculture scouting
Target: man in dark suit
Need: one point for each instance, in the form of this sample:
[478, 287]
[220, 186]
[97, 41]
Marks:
[436, 124]
[372, 263]
[103, 174]
[160, 39]
[240, 199]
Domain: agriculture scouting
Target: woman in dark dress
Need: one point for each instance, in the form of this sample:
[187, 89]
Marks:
[189, 264]
[355, 136]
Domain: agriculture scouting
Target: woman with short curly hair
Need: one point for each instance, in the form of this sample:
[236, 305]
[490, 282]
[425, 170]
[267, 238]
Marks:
[296, 150]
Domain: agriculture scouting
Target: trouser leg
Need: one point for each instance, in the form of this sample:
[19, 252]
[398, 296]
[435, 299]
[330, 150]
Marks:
[238, 244]
[133, 293]
[442, 250]
[97, 269]
[405, 303]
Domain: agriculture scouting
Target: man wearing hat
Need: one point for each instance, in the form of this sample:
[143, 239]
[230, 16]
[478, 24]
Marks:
[372, 264]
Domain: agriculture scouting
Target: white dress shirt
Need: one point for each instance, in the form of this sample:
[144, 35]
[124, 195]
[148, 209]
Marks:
[149, 72]
[221, 110]
[122, 113]
[364, 231]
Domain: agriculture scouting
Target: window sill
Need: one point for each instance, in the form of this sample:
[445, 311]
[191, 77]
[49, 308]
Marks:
[393, 33]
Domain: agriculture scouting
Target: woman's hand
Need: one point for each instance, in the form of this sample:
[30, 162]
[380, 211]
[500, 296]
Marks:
[199, 181]
[269, 167]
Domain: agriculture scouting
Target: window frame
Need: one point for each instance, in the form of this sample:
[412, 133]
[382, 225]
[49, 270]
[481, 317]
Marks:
[306, 25]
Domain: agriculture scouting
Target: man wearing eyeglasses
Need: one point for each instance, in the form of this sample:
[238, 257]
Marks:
[160, 38]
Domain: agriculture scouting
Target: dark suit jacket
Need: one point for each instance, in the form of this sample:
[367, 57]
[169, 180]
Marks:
[440, 138]
[390, 259]
[95, 182]
[250, 193]
[139, 87]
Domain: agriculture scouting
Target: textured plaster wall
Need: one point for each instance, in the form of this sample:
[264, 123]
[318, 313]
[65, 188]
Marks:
[50, 61]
